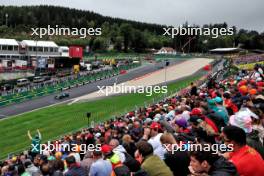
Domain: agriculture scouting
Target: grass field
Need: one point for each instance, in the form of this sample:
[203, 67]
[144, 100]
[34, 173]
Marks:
[57, 120]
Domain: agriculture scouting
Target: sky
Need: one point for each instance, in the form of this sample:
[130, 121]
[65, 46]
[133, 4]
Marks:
[247, 14]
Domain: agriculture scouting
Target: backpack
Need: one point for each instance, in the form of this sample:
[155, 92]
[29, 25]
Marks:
[121, 170]
[131, 163]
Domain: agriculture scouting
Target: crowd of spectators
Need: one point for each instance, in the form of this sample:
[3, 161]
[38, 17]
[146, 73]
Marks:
[156, 140]
[249, 59]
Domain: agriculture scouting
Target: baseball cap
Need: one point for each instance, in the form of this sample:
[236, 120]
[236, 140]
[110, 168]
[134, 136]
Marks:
[181, 122]
[195, 119]
[51, 158]
[97, 135]
[155, 125]
[165, 105]
[238, 78]
[211, 102]
[106, 149]
[259, 79]
[260, 97]
[196, 111]
[218, 99]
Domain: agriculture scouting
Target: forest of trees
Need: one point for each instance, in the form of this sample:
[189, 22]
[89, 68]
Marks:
[123, 35]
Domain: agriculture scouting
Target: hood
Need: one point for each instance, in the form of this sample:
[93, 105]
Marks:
[223, 167]
[119, 148]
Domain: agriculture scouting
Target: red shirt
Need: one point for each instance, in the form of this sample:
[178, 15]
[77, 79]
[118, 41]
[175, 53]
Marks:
[248, 162]
[229, 104]
[186, 130]
[211, 123]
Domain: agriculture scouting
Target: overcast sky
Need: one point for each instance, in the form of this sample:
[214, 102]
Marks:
[248, 14]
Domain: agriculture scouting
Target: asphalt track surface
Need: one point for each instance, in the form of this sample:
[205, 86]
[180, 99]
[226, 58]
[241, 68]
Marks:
[16, 109]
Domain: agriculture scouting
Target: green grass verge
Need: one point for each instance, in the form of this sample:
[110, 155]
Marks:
[61, 119]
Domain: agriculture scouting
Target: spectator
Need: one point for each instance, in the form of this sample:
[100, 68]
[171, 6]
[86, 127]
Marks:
[129, 144]
[243, 120]
[87, 161]
[246, 159]
[216, 106]
[201, 130]
[22, 171]
[130, 161]
[58, 168]
[230, 106]
[136, 132]
[171, 113]
[31, 168]
[119, 169]
[100, 167]
[118, 149]
[154, 140]
[35, 143]
[177, 161]
[73, 167]
[46, 169]
[193, 89]
[151, 163]
[206, 163]
[181, 126]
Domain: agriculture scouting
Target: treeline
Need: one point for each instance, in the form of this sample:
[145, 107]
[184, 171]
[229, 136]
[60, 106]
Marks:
[117, 34]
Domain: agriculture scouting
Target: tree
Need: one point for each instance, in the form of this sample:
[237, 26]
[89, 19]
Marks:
[118, 43]
[99, 43]
[126, 30]
[139, 41]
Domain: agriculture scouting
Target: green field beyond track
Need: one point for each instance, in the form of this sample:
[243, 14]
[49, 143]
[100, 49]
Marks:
[58, 120]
